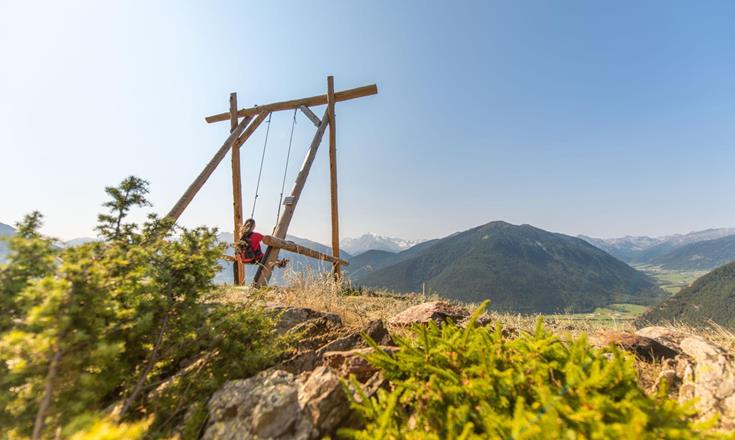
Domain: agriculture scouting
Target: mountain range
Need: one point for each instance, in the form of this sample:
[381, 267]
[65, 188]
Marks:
[519, 268]
[675, 252]
[368, 242]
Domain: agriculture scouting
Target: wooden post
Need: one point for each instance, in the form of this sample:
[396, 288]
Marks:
[238, 267]
[263, 275]
[333, 175]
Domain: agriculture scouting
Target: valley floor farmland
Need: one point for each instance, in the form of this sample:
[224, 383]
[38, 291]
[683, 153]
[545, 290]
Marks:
[671, 281]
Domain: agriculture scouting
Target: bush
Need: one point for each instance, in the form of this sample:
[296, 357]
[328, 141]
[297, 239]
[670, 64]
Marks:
[472, 383]
[125, 327]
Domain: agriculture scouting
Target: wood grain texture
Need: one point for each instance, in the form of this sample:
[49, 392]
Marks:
[333, 174]
[275, 242]
[194, 188]
[239, 269]
[311, 101]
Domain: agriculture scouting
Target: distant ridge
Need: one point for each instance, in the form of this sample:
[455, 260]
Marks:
[654, 250]
[702, 255]
[519, 268]
[370, 242]
[710, 298]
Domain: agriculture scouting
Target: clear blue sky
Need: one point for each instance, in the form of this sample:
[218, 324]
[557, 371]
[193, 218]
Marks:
[597, 118]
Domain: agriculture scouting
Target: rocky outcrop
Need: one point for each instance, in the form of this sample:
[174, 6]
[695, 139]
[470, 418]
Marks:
[290, 317]
[643, 347]
[354, 362]
[701, 370]
[278, 405]
[435, 311]
[305, 360]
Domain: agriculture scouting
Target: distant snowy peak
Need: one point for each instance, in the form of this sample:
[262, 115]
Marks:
[369, 242]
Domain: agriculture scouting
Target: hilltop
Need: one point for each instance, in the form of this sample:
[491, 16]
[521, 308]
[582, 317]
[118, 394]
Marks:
[710, 298]
[519, 268]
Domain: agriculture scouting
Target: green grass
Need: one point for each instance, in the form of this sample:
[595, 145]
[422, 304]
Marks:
[671, 281]
[612, 314]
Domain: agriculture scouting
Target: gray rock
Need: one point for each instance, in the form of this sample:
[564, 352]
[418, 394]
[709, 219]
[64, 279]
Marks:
[704, 371]
[278, 405]
[290, 317]
[434, 311]
[354, 362]
[310, 359]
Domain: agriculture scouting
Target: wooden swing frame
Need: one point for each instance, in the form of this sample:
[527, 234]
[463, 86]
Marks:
[243, 123]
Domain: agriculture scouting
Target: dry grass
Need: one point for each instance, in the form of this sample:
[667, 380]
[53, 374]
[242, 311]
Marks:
[357, 307]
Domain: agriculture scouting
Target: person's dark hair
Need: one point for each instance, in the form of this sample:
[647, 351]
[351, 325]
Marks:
[247, 227]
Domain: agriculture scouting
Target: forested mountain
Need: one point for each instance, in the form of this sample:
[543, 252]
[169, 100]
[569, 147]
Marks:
[519, 268]
[710, 297]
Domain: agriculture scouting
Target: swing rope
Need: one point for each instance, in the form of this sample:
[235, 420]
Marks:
[285, 169]
[262, 158]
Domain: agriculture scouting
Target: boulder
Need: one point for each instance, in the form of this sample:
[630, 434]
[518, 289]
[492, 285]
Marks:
[702, 371]
[434, 311]
[353, 361]
[663, 335]
[290, 317]
[278, 405]
[714, 379]
[310, 359]
[643, 347]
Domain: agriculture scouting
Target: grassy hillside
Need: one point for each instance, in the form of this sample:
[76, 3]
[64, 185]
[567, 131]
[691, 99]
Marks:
[703, 255]
[709, 298]
[519, 268]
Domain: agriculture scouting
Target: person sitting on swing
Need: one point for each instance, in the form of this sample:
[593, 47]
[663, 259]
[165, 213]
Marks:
[248, 246]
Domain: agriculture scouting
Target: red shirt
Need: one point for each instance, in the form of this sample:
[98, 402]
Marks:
[255, 240]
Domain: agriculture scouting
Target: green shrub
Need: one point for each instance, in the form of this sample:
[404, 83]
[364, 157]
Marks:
[129, 322]
[471, 383]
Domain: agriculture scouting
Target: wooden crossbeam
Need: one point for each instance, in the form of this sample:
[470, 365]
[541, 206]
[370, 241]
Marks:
[263, 275]
[344, 95]
[275, 242]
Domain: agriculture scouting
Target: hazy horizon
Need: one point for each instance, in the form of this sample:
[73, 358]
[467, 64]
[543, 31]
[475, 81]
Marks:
[603, 120]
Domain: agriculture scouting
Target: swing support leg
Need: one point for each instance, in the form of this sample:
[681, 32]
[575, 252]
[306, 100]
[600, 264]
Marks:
[238, 267]
[333, 177]
[263, 275]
